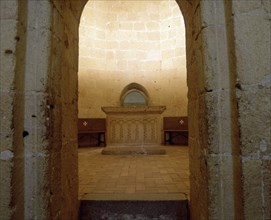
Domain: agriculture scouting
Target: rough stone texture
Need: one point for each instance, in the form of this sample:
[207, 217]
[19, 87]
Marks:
[27, 111]
[212, 115]
[62, 101]
[266, 177]
[252, 23]
[196, 112]
[136, 210]
[36, 166]
[124, 150]
[8, 28]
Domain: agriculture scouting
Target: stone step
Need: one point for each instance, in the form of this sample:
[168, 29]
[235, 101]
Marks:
[134, 207]
[134, 150]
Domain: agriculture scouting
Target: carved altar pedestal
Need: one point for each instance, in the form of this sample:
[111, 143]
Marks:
[128, 126]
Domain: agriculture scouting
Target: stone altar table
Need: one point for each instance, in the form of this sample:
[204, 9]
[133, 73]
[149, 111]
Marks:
[134, 125]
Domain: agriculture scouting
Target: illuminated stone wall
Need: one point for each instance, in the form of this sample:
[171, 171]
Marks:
[122, 42]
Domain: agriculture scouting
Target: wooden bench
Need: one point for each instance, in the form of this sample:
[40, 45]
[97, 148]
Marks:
[94, 128]
[174, 127]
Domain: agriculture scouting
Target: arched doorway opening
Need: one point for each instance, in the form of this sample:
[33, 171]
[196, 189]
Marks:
[120, 45]
[201, 56]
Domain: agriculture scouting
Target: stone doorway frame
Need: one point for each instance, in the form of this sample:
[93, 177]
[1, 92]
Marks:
[214, 165]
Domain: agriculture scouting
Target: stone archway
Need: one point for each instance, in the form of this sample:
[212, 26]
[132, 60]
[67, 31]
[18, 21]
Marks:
[208, 197]
[38, 126]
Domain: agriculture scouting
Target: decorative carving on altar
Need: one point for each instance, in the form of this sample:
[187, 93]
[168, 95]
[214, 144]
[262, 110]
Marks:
[140, 125]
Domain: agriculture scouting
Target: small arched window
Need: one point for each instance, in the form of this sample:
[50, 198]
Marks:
[134, 95]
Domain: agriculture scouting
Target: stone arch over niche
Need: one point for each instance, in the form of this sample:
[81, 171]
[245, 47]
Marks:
[141, 96]
[41, 99]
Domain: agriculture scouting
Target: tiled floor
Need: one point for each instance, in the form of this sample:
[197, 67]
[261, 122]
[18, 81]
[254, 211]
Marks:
[133, 175]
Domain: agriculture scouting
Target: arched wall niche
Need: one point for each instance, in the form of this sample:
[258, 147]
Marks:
[134, 97]
[134, 88]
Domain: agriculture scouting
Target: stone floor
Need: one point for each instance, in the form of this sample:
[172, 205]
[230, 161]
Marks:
[133, 176]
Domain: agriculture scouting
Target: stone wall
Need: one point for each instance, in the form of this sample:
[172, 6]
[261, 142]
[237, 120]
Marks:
[124, 42]
[252, 25]
[39, 52]
[229, 109]
[63, 86]
[11, 164]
